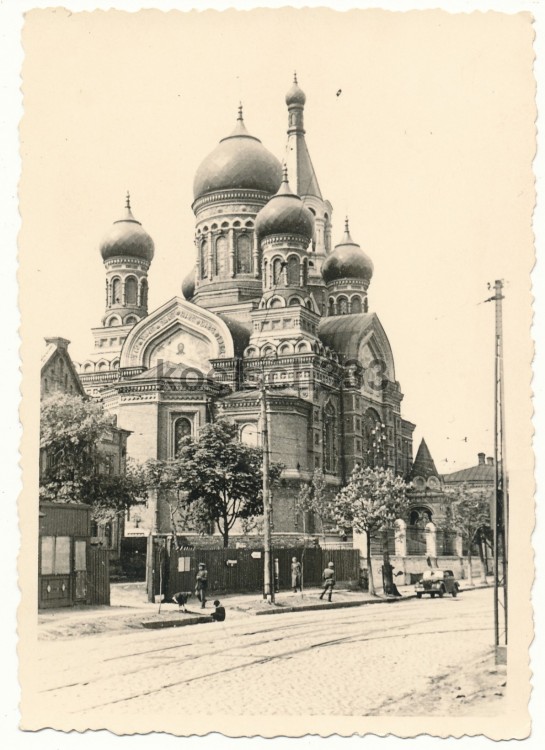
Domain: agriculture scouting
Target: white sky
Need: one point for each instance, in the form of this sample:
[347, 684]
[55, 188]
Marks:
[428, 149]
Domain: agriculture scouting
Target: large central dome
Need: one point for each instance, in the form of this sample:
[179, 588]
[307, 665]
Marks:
[239, 162]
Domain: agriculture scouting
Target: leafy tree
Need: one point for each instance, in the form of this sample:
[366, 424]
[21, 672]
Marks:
[71, 429]
[221, 477]
[165, 478]
[469, 515]
[370, 503]
[313, 498]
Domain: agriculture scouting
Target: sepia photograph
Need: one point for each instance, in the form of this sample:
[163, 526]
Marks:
[276, 307]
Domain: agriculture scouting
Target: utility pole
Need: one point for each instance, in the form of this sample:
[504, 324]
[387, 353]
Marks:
[268, 588]
[500, 508]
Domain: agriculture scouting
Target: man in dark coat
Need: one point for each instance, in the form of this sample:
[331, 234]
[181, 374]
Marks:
[329, 581]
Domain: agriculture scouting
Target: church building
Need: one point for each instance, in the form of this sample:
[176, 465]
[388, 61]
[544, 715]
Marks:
[270, 300]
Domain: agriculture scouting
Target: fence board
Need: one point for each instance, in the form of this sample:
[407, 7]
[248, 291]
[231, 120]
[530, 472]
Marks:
[98, 575]
[246, 574]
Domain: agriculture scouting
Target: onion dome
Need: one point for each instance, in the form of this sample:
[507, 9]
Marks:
[295, 95]
[188, 285]
[347, 261]
[127, 239]
[239, 162]
[285, 213]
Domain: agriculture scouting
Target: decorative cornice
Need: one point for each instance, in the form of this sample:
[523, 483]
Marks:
[276, 240]
[224, 196]
[112, 263]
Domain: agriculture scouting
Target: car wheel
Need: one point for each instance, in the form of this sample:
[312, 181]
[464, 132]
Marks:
[441, 593]
[454, 592]
[419, 595]
[432, 596]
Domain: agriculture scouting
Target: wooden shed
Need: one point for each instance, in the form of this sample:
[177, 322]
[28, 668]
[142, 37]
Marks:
[70, 570]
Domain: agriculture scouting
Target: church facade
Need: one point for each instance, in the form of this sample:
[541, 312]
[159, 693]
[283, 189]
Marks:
[270, 301]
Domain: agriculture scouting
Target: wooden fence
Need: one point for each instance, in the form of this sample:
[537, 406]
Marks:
[238, 570]
[98, 575]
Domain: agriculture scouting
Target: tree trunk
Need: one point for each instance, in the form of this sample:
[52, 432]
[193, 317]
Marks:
[371, 582]
[224, 532]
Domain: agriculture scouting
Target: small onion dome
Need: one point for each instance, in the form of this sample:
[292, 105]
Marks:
[347, 261]
[285, 213]
[188, 285]
[239, 162]
[127, 238]
[295, 95]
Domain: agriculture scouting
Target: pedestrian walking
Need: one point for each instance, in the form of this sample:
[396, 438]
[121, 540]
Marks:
[180, 598]
[201, 584]
[218, 615]
[329, 581]
[296, 576]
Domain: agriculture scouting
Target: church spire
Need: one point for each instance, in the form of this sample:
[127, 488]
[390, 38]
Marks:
[301, 172]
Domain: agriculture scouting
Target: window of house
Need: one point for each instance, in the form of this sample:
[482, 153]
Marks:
[182, 429]
[80, 555]
[55, 555]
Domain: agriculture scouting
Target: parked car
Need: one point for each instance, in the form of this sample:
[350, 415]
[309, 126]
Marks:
[438, 582]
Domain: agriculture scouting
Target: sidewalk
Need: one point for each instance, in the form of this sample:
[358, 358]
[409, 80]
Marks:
[130, 609]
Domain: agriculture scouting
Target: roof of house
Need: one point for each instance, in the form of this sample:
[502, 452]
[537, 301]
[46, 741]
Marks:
[479, 473]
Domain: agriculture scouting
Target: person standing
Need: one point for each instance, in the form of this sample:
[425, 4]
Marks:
[295, 575]
[329, 581]
[201, 584]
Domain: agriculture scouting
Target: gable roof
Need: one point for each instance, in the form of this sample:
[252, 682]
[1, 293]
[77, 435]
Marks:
[57, 346]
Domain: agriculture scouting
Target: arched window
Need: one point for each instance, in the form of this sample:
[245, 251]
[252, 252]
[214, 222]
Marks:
[331, 308]
[182, 429]
[143, 293]
[204, 260]
[113, 321]
[116, 291]
[342, 306]
[265, 279]
[294, 301]
[305, 272]
[249, 435]
[276, 302]
[221, 256]
[355, 304]
[277, 271]
[293, 271]
[115, 364]
[130, 291]
[130, 320]
[244, 254]
[365, 305]
[330, 437]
